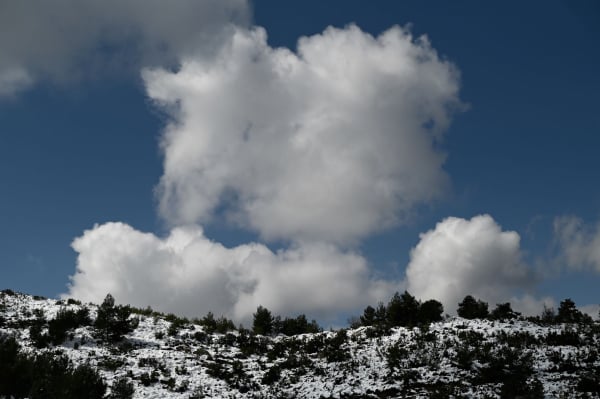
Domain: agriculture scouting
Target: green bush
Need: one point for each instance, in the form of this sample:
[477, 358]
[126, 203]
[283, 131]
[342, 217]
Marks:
[334, 350]
[177, 323]
[272, 375]
[122, 388]
[65, 321]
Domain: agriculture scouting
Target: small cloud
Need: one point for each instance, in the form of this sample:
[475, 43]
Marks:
[13, 80]
[462, 257]
[37, 261]
[579, 244]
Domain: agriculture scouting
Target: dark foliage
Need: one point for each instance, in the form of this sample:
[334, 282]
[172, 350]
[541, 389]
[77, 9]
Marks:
[565, 338]
[430, 311]
[177, 323]
[46, 375]
[470, 308]
[568, 313]
[368, 316]
[221, 325]
[250, 344]
[402, 310]
[334, 350]
[113, 322]
[589, 383]
[263, 321]
[38, 337]
[231, 372]
[147, 379]
[295, 326]
[65, 321]
[122, 389]
[548, 315]
[272, 375]
[503, 311]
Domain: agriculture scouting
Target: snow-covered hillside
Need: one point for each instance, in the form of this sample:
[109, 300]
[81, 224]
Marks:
[453, 358]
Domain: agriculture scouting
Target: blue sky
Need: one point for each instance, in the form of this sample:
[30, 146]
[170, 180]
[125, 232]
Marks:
[84, 150]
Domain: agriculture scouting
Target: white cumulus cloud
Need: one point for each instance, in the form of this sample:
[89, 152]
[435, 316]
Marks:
[64, 38]
[189, 274]
[320, 148]
[331, 143]
[579, 243]
[460, 257]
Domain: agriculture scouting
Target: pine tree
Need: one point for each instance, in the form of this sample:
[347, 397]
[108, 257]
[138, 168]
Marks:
[113, 321]
[263, 321]
[470, 308]
[568, 312]
[368, 317]
[503, 311]
[403, 310]
[431, 311]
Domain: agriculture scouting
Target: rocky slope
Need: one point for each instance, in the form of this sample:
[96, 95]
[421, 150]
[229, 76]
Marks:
[165, 357]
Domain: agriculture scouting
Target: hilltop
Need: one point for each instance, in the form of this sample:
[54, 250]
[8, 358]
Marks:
[146, 354]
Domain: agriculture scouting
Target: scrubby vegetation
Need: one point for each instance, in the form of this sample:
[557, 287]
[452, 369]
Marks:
[45, 375]
[403, 348]
[113, 322]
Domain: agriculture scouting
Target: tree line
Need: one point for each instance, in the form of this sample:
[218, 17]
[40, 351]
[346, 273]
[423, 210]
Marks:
[264, 323]
[404, 310]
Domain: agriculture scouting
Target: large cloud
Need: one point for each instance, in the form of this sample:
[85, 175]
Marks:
[332, 143]
[189, 274]
[476, 257]
[579, 244]
[62, 38]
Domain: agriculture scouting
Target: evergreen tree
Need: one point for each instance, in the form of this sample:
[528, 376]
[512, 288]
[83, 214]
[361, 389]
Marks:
[113, 321]
[403, 310]
[263, 321]
[503, 311]
[470, 308]
[294, 326]
[85, 382]
[548, 315]
[431, 311]
[568, 312]
[380, 318]
[368, 317]
[209, 323]
[65, 321]
[46, 375]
